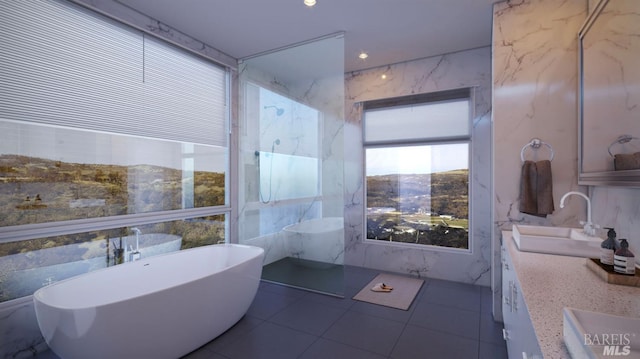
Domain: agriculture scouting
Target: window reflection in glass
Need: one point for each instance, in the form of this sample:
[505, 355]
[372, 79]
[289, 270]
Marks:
[52, 174]
[28, 265]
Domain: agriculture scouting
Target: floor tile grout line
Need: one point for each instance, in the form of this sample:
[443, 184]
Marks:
[349, 345]
[334, 323]
[382, 316]
[297, 299]
[309, 347]
[479, 328]
[235, 340]
[321, 336]
[445, 333]
[455, 307]
[398, 339]
[354, 347]
[302, 331]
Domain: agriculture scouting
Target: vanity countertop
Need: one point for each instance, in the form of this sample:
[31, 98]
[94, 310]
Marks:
[551, 282]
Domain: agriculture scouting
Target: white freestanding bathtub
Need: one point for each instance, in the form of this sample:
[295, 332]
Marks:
[160, 307]
[320, 239]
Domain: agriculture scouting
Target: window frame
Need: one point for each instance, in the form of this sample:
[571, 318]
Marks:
[16, 233]
[417, 99]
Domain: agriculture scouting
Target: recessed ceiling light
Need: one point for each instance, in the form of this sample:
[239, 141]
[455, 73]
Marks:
[363, 55]
[384, 76]
[309, 3]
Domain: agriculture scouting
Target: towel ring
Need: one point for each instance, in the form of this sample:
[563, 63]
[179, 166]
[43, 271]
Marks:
[621, 140]
[535, 144]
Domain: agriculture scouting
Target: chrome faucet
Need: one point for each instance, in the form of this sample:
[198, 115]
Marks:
[135, 255]
[589, 226]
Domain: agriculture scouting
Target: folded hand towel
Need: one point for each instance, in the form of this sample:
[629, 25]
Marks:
[536, 189]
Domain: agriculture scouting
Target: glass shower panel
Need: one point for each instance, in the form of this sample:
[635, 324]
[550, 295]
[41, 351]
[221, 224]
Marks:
[291, 110]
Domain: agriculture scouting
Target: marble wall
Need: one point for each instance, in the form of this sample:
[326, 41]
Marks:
[535, 85]
[463, 69]
[619, 208]
[534, 96]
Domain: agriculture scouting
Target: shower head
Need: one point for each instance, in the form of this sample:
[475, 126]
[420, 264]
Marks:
[279, 111]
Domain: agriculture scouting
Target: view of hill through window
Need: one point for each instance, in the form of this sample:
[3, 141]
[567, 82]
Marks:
[37, 190]
[427, 209]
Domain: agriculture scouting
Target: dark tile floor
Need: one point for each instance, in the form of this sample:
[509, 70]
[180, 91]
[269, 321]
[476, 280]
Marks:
[446, 320]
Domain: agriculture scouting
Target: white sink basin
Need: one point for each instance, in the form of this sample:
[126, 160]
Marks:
[556, 240]
[597, 335]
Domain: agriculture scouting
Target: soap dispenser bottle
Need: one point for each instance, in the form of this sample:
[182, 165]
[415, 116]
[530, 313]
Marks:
[624, 260]
[608, 248]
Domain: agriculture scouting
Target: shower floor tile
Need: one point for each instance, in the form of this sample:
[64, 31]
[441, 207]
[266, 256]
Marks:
[316, 276]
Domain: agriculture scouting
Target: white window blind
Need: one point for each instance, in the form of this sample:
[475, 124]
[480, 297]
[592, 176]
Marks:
[64, 65]
[186, 91]
[438, 116]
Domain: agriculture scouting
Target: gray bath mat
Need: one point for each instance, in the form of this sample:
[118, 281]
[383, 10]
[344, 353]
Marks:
[403, 293]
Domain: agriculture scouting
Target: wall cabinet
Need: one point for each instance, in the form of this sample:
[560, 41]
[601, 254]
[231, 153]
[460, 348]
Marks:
[518, 330]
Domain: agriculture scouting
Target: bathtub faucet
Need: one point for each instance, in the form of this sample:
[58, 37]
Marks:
[135, 255]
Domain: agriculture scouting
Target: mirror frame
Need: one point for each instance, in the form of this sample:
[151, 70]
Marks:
[629, 178]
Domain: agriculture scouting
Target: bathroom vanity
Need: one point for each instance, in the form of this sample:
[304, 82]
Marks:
[536, 287]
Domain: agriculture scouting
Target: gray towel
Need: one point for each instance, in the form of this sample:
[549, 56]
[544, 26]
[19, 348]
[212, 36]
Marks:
[544, 188]
[536, 188]
[624, 162]
[528, 185]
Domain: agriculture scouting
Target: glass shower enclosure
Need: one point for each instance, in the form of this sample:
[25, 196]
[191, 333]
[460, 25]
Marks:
[291, 116]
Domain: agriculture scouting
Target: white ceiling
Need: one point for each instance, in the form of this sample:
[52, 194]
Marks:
[391, 31]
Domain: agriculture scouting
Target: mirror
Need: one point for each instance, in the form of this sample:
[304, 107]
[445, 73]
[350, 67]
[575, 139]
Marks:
[609, 96]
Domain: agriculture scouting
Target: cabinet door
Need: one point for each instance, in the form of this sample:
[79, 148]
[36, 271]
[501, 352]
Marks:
[518, 329]
[509, 316]
[528, 347]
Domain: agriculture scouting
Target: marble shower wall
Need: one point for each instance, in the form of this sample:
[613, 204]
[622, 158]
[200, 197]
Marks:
[462, 69]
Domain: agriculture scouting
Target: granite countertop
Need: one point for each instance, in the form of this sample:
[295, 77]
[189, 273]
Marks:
[551, 282]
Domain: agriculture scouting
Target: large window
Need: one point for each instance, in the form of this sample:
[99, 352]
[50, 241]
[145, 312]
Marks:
[417, 169]
[105, 133]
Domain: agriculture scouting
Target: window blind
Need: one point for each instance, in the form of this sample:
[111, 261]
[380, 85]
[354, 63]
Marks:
[64, 65]
[433, 116]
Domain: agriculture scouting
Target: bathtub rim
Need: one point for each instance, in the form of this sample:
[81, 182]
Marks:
[36, 297]
[291, 227]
